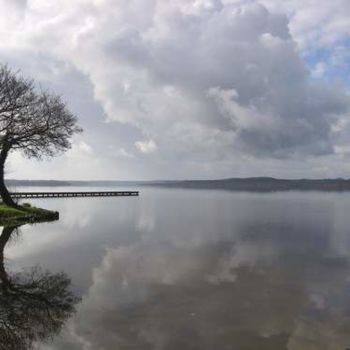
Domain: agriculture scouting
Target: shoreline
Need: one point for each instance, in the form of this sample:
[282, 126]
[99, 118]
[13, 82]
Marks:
[24, 214]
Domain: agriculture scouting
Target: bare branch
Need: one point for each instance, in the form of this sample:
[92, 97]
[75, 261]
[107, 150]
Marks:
[34, 121]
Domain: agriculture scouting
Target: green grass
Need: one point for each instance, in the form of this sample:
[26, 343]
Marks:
[24, 214]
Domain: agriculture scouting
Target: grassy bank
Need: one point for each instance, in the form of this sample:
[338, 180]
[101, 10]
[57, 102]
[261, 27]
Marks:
[25, 214]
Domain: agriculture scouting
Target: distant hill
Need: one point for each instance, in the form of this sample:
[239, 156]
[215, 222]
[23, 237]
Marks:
[252, 184]
[109, 183]
[55, 183]
[259, 184]
[14, 183]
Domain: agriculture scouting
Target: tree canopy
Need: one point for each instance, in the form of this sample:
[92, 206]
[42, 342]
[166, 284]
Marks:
[32, 120]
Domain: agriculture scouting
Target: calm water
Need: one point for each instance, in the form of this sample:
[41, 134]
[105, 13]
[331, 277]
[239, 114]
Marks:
[183, 269]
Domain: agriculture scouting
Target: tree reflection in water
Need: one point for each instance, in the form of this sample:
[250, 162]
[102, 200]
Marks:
[34, 304]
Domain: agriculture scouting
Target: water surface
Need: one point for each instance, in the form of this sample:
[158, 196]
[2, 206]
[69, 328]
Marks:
[190, 269]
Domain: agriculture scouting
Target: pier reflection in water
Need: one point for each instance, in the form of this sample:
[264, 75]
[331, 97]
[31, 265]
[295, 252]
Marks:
[34, 303]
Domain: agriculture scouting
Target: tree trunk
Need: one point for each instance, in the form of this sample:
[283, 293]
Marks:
[4, 193]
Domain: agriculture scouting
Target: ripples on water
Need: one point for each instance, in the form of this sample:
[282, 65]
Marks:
[182, 269]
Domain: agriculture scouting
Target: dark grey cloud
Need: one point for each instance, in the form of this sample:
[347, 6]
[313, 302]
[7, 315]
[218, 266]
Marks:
[185, 68]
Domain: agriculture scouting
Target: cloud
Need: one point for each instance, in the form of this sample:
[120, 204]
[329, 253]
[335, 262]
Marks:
[212, 79]
[80, 150]
[204, 83]
[319, 70]
[314, 23]
[146, 146]
[123, 153]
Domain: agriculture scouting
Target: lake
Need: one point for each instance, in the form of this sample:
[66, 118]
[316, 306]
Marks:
[190, 269]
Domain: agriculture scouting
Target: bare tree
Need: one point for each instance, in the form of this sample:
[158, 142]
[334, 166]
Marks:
[33, 121]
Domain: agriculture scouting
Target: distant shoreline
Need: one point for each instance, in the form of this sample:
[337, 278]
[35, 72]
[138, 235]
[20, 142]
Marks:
[253, 184]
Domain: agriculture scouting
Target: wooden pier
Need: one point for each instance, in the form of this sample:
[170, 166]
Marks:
[17, 195]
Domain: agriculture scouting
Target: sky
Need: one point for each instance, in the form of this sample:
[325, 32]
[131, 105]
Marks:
[178, 89]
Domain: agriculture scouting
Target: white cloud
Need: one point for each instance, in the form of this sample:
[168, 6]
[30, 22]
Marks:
[209, 82]
[123, 153]
[173, 56]
[79, 150]
[319, 70]
[148, 146]
[313, 23]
